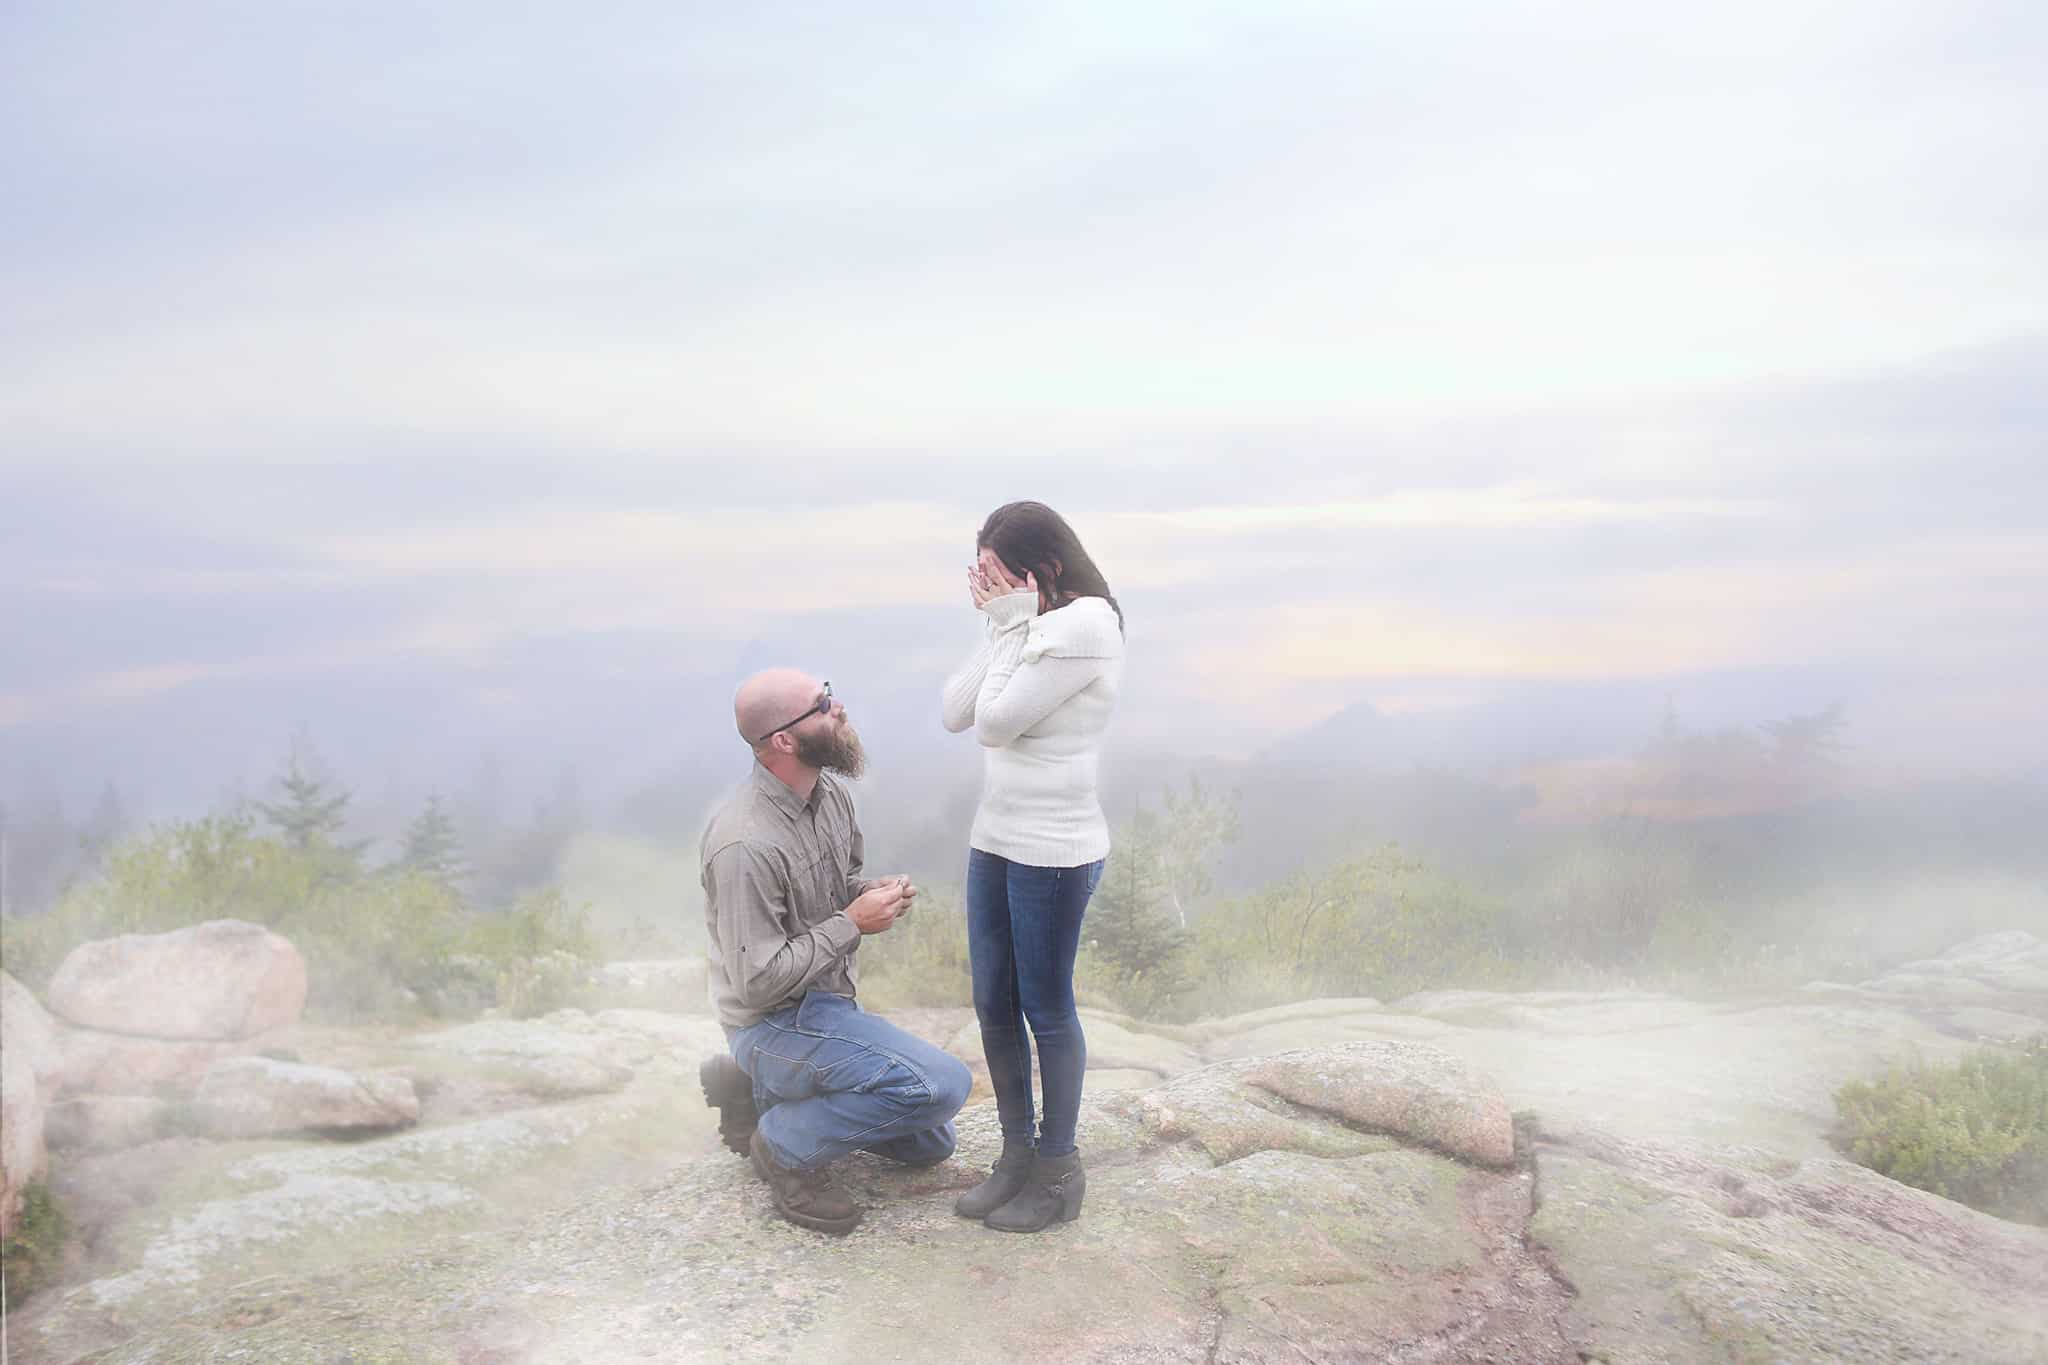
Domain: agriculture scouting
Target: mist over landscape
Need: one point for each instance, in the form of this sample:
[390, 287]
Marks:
[1574, 482]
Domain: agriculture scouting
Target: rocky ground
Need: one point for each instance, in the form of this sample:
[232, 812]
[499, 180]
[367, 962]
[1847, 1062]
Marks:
[1451, 1177]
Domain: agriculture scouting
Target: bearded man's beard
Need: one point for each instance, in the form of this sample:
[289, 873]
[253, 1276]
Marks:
[838, 752]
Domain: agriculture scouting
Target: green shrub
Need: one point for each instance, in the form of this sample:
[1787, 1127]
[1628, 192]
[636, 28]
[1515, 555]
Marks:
[377, 945]
[1976, 1132]
[527, 988]
[922, 960]
[185, 873]
[378, 948]
[1134, 943]
[1380, 925]
[1622, 903]
[541, 950]
[34, 1255]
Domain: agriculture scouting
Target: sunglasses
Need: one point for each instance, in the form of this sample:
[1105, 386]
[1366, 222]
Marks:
[821, 707]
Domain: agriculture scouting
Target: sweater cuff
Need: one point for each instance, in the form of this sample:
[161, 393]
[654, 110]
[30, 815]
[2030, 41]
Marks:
[1011, 610]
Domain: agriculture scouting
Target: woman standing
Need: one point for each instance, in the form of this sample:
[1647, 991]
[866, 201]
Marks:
[1038, 692]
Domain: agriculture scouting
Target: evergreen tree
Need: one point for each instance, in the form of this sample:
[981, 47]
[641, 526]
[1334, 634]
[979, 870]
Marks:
[108, 823]
[313, 811]
[525, 858]
[1132, 923]
[38, 845]
[1196, 825]
[431, 847]
[1808, 744]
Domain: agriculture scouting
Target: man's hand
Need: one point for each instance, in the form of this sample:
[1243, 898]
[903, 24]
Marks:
[876, 908]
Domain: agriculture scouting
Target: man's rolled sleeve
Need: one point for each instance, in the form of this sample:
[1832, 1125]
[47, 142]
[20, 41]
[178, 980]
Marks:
[769, 959]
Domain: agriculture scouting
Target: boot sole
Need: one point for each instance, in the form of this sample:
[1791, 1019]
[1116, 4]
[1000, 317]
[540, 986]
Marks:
[1056, 1218]
[826, 1226]
[736, 1116]
[831, 1227]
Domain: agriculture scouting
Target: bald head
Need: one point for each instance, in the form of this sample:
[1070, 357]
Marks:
[770, 698]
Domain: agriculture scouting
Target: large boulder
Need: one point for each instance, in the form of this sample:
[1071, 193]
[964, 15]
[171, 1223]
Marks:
[26, 1027]
[23, 1158]
[29, 1063]
[1992, 988]
[1373, 1091]
[224, 979]
[247, 1097]
[96, 1063]
[2008, 970]
[1739, 1255]
[1418, 1093]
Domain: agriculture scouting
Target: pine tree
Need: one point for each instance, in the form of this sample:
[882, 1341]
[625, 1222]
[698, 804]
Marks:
[40, 846]
[1196, 825]
[431, 847]
[108, 823]
[313, 811]
[1132, 923]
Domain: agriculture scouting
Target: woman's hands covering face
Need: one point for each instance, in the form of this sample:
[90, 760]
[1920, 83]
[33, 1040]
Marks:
[988, 578]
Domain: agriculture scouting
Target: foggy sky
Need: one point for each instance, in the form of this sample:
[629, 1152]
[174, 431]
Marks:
[445, 377]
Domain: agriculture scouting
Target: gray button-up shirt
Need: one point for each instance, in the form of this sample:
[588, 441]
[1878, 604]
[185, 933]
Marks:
[779, 873]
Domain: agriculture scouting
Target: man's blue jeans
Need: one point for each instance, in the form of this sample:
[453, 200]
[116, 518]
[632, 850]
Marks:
[830, 1078]
[1023, 929]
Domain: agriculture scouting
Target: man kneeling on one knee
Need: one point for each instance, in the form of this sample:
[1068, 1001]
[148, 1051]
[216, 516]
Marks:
[812, 1076]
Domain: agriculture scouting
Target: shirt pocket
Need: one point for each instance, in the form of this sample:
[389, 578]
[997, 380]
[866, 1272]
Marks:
[828, 872]
[828, 850]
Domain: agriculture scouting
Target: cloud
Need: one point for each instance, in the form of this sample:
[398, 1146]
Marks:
[613, 539]
[697, 227]
[1498, 507]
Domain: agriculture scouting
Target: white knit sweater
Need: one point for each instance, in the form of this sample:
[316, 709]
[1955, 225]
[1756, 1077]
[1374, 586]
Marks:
[1038, 691]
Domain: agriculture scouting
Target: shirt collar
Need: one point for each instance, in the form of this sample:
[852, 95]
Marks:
[778, 791]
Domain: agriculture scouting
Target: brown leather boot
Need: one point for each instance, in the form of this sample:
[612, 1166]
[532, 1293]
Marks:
[1005, 1178]
[1052, 1192]
[810, 1199]
[730, 1091]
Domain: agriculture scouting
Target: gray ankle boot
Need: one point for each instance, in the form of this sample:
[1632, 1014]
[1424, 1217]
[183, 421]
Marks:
[1005, 1178]
[1052, 1192]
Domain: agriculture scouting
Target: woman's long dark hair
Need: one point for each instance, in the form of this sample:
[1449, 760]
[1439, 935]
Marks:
[1031, 536]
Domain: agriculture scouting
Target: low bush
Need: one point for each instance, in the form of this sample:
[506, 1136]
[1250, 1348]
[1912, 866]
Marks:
[1976, 1132]
[34, 1255]
[1622, 902]
[1380, 925]
[377, 945]
[922, 960]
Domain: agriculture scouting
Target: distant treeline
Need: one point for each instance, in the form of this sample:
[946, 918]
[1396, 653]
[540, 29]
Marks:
[1725, 859]
[490, 860]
